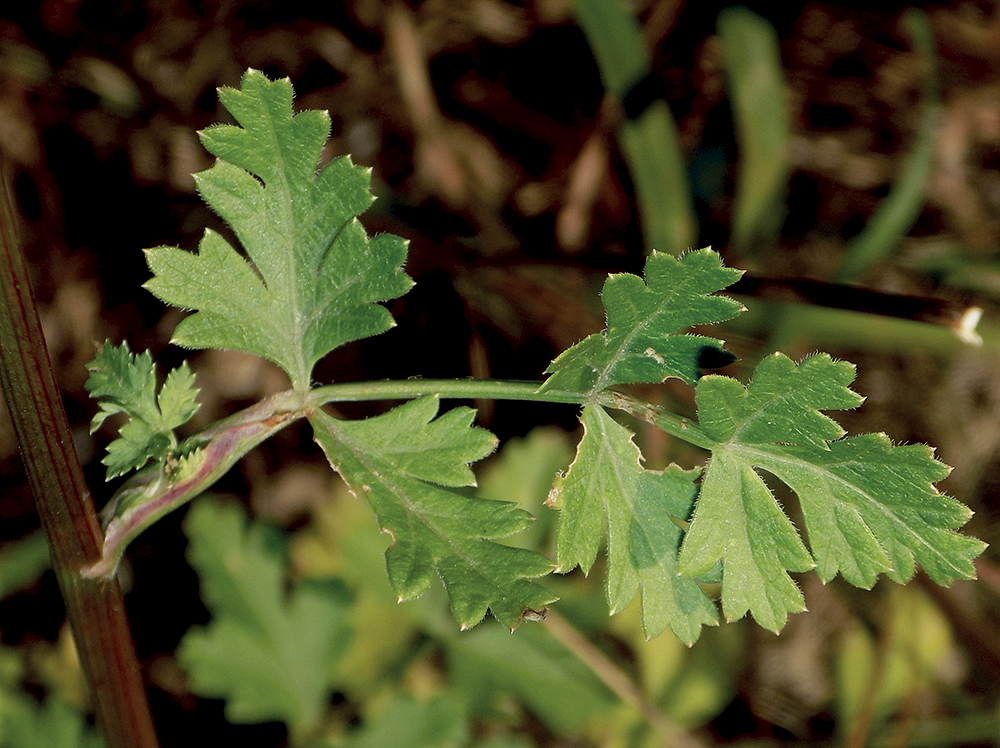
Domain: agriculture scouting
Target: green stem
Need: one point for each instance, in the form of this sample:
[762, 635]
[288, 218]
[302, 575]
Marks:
[450, 389]
[208, 455]
[95, 608]
[496, 389]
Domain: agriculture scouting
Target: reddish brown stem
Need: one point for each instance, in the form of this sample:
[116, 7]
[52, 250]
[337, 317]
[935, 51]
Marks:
[95, 608]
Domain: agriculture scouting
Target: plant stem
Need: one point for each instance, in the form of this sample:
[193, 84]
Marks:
[471, 389]
[615, 679]
[152, 493]
[496, 389]
[95, 609]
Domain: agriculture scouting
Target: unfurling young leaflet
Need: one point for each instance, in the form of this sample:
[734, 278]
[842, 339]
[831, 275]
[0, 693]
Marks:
[126, 383]
[312, 279]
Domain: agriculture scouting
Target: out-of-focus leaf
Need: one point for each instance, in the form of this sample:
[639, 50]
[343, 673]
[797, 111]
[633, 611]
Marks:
[341, 541]
[899, 210]
[616, 39]
[705, 679]
[757, 89]
[272, 654]
[57, 667]
[659, 172]
[548, 678]
[504, 741]
[54, 724]
[921, 647]
[22, 562]
[522, 472]
[648, 138]
[404, 722]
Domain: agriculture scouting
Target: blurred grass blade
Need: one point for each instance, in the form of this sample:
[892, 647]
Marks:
[757, 91]
[660, 175]
[649, 140]
[897, 213]
[616, 40]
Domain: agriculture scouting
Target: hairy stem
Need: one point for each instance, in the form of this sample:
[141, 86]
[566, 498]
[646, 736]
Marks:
[154, 492]
[495, 389]
[94, 607]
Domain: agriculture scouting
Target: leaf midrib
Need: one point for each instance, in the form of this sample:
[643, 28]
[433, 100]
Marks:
[622, 349]
[411, 507]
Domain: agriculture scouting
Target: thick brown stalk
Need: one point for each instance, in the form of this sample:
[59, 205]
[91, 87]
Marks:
[94, 607]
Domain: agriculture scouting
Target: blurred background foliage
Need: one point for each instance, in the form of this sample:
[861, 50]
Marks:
[526, 148]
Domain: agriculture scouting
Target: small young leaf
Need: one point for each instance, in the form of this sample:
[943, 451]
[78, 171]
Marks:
[407, 466]
[126, 383]
[640, 344]
[607, 479]
[270, 653]
[320, 275]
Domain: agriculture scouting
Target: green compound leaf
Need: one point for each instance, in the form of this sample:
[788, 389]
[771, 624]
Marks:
[270, 653]
[126, 383]
[869, 507]
[316, 275]
[408, 466]
[607, 480]
[640, 343]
